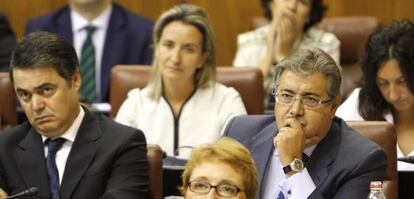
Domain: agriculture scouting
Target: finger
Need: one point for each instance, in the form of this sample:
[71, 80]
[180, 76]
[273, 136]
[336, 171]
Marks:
[3, 193]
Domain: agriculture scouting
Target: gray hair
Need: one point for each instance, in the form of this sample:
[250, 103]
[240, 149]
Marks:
[197, 17]
[306, 62]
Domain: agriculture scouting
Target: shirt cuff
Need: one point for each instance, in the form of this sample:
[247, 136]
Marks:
[298, 186]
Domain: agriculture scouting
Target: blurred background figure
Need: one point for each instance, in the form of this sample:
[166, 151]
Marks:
[387, 91]
[104, 34]
[291, 27]
[226, 166]
[7, 43]
[182, 106]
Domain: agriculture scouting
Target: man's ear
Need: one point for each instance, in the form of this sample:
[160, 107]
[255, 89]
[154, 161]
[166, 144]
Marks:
[77, 80]
[335, 105]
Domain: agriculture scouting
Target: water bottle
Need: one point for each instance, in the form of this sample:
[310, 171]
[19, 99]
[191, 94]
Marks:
[376, 190]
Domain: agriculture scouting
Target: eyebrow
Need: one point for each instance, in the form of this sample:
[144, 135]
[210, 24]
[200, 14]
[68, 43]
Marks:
[306, 93]
[37, 87]
[386, 79]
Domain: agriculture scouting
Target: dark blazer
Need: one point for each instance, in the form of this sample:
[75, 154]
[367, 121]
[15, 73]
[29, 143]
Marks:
[107, 160]
[7, 43]
[341, 166]
[128, 39]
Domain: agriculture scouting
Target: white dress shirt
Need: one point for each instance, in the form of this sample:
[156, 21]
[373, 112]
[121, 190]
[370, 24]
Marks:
[63, 153]
[297, 186]
[98, 39]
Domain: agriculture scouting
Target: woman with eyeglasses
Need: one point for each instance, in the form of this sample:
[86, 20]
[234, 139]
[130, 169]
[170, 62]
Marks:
[182, 105]
[387, 91]
[221, 170]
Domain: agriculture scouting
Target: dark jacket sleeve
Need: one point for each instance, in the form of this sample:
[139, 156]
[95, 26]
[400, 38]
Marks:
[129, 176]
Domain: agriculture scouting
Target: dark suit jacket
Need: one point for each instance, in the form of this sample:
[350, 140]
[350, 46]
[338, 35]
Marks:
[341, 166]
[107, 160]
[7, 43]
[128, 39]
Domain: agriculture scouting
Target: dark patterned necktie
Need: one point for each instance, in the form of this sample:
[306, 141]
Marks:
[87, 67]
[52, 171]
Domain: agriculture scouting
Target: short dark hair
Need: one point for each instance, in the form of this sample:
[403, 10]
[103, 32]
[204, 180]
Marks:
[40, 49]
[394, 41]
[317, 12]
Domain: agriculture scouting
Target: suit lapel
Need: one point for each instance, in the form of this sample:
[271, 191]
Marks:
[30, 158]
[63, 24]
[262, 147]
[81, 155]
[323, 156]
[114, 47]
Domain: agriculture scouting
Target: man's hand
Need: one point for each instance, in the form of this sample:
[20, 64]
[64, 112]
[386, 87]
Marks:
[290, 141]
[3, 194]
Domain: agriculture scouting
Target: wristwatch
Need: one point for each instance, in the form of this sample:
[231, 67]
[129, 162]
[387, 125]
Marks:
[295, 165]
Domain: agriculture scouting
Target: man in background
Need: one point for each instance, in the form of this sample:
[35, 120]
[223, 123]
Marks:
[7, 43]
[104, 34]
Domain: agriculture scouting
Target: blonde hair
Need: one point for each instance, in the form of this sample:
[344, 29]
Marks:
[197, 17]
[229, 151]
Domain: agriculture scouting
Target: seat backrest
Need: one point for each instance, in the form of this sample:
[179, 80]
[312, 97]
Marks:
[382, 133]
[154, 156]
[247, 81]
[8, 115]
[352, 32]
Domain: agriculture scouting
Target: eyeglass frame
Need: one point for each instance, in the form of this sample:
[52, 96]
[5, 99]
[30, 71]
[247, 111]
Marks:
[320, 101]
[238, 190]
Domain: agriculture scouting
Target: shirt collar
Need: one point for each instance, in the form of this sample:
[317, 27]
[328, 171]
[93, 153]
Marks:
[71, 133]
[100, 22]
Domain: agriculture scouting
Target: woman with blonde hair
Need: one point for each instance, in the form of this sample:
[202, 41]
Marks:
[183, 106]
[226, 166]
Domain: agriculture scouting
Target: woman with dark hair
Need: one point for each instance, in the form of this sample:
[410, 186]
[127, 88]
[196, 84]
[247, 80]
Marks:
[387, 91]
[291, 27]
[182, 106]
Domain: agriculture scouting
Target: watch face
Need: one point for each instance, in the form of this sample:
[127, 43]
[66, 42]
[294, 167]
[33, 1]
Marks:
[297, 165]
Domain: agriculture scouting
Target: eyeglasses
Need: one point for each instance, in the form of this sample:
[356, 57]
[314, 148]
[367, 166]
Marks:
[224, 190]
[309, 101]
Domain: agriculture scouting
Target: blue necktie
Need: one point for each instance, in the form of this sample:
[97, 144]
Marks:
[281, 196]
[52, 171]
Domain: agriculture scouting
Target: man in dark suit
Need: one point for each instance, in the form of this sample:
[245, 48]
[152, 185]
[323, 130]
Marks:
[304, 151]
[64, 150]
[7, 43]
[121, 37]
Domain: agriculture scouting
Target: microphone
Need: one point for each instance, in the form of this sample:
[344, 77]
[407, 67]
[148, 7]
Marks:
[32, 191]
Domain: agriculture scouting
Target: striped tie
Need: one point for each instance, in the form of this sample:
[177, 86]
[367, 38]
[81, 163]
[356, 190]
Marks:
[87, 67]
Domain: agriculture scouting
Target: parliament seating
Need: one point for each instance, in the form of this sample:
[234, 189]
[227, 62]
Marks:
[247, 81]
[8, 115]
[382, 133]
[352, 32]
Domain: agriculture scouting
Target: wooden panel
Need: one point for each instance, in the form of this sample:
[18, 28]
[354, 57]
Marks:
[230, 17]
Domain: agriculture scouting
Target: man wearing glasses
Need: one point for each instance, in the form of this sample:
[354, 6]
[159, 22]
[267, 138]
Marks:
[304, 151]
